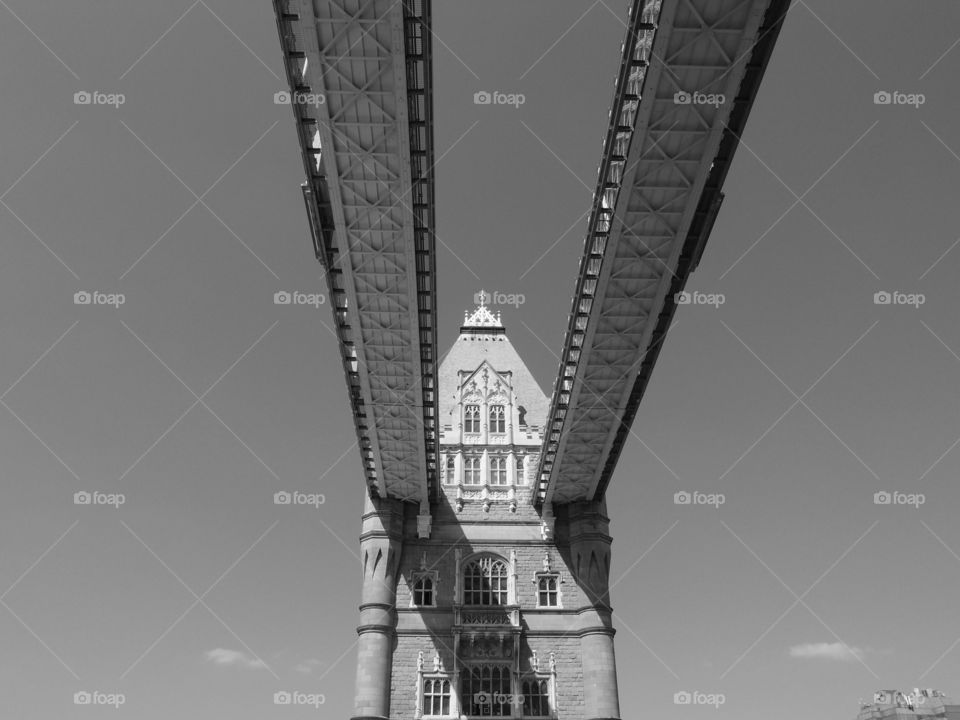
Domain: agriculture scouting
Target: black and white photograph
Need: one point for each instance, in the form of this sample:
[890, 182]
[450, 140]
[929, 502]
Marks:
[452, 360]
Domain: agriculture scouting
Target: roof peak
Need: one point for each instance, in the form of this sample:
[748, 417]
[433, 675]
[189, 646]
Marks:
[481, 319]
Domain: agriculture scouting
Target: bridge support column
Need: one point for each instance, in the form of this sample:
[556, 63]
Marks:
[590, 551]
[380, 546]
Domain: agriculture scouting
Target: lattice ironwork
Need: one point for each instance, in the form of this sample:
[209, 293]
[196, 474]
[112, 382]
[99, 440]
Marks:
[668, 147]
[360, 84]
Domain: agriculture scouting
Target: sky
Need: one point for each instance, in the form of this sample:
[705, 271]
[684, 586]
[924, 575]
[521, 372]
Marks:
[789, 405]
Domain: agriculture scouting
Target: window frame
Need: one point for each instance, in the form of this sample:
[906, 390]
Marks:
[497, 419]
[472, 467]
[471, 419]
[496, 469]
[467, 677]
[549, 575]
[419, 575]
[547, 697]
[502, 588]
[453, 705]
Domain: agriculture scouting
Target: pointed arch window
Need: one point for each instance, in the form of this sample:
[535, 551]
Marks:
[498, 423]
[471, 418]
[471, 470]
[536, 697]
[485, 582]
[498, 470]
[485, 691]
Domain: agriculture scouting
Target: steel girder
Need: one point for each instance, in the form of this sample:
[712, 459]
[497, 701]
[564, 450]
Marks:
[668, 147]
[360, 87]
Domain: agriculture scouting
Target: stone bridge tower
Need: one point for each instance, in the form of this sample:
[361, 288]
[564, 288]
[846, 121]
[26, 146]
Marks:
[480, 606]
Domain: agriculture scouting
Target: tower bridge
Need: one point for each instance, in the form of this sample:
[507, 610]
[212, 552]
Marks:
[485, 542]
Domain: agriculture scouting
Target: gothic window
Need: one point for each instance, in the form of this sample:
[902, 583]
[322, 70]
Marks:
[536, 697]
[498, 470]
[424, 589]
[521, 475]
[548, 590]
[471, 418]
[485, 691]
[451, 469]
[497, 419]
[471, 470]
[485, 582]
[436, 697]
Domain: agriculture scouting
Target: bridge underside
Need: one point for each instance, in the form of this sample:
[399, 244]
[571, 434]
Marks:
[689, 74]
[360, 80]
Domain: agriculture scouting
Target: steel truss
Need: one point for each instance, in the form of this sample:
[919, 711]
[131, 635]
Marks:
[668, 147]
[360, 86]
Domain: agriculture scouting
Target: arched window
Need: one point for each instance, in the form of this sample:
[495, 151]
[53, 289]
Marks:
[423, 591]
[497, 419]
[521, 474]
[436, 697]
[485, 691]
[498, 470]
[471, 418]
[485, 582]
[451, 473]
[536, 697]
[471, 470]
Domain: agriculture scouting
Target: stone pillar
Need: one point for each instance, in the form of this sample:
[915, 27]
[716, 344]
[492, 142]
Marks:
[380, 546]
[590, 553]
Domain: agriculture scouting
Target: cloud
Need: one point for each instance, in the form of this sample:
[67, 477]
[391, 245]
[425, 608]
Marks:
[222, 656]
[826, 651]
[307, 666]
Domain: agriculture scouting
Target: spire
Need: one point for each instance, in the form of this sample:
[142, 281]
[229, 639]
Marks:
[481, 319]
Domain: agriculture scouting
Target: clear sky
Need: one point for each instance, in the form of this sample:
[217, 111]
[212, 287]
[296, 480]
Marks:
[797, 399]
